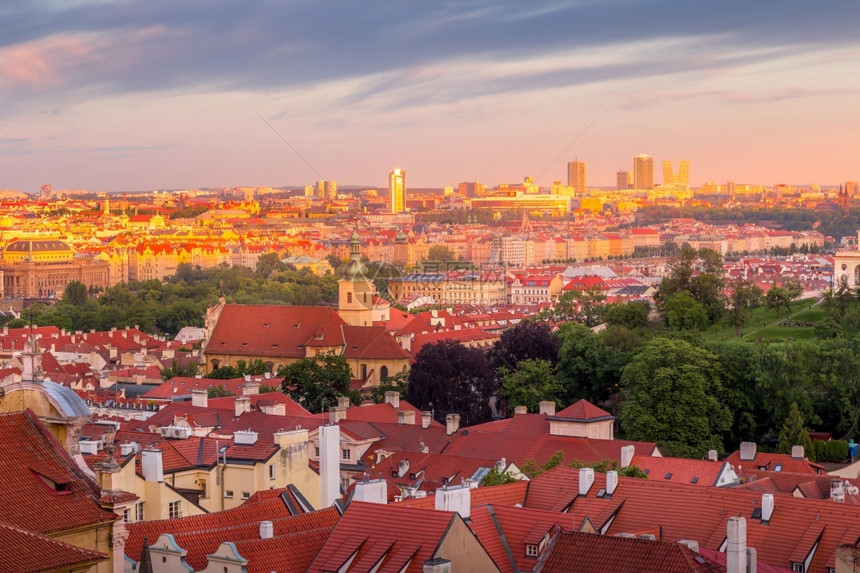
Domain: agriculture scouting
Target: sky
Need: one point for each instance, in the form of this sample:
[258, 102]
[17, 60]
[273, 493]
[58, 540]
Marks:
[124, 95]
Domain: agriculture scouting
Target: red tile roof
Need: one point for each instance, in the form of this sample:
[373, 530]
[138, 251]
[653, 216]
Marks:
[582, 411]
[24, 550]
[44, 490]
[680, 470]
[589, 553]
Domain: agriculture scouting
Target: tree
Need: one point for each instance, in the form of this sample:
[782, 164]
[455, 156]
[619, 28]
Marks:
[776, 298]
[588, 304]
[792, 289]
[318, 381]
[683, 312]
[532, 382]
[588, 367]
[448, 378]
[745, 296]
[269, 264]
[673, 391]
[496, 477]
[527, 340]
[177, 368]
[440, 253]
[793, 433]
[627, 314]
[700, 273]
[76, 293]
[218, 392]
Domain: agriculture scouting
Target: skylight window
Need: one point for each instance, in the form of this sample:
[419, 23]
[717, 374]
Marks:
[777, 468]
[694, 480]
[668, 475]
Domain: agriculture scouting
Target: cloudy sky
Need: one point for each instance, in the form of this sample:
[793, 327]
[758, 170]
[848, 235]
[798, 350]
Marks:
[142, 94]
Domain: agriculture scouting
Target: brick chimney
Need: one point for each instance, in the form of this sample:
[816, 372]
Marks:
[586, 480]
[627, 455]
[393, 398]
[452, 423]
[371, 491]
[547, 407]
[243, 404]
[426, 419]
[200, 398]
[736, 545]
[748, 451]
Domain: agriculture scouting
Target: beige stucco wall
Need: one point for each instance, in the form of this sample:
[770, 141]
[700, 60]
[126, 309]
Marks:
[462, 549]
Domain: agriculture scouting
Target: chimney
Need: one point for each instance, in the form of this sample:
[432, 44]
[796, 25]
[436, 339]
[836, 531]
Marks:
[200, 398]
[329, 462]
[520, 410]
[336, 414]
[247, 377]
[243, 404]
[736, 546]
[690, 544]
[267, 530]
[393, 398]
[611, 482]
[151, 465]
[426, 419]
[250, 388]
[797, 452]
[457, 498]
[748, 451]
[627, 455]
[244, 437]
[586, 480]
[437, 565]
[452, 423]
[343, 402]
[547, 407]
[126, 449]
[712, 455]
[766, 507]
[406, 417]
[372, 491]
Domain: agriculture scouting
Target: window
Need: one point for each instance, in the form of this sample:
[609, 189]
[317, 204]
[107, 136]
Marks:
[228, 494]
[126, 515]
[173, 510]
[798, 567]
[138, 511]
[246, 495]
[531, 550]
[349, 297]
[345, 454]
[317, 451]
[271, 471]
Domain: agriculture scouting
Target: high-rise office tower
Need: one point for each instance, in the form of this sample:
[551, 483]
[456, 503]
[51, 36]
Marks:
[327, 189]
[622, 179]
[397, 190]
[680, 178]
[643, 172]
[576, 176]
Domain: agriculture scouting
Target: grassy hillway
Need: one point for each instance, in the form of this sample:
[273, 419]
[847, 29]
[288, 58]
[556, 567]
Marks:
[799, 324]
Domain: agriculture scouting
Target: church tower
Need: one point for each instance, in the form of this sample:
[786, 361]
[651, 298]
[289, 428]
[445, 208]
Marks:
[355, 292]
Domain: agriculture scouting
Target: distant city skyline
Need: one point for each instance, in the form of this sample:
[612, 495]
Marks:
[134, 96]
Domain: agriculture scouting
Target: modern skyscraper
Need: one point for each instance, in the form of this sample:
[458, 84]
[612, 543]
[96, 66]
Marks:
[680, 178]
[576, 176]
[622, 180]
[397, 190]
[643, 172]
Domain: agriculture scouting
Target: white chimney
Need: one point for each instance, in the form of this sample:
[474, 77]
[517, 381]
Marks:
[736, 546]
[520, 410]
[586, 480]
[627, 455]
[437, 565]
[343, 402]
[797, 452]
[393, 398]
[748, 450]
[243, 404]
[267, 530]
[426, 419]
[406, 417]
[126, 449]
[690, 544]
[200, 398]
[456, 498]
[766, 506]
[712, 455]
[611, 481]
[336, 414]
[244, 437]
[329, 461]
[89, 446]
[452, 423]
[250, 388]
[151, 465]
[372, 491]
[547, 407]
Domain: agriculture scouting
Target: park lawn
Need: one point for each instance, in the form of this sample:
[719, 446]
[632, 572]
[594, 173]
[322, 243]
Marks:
[764, 323]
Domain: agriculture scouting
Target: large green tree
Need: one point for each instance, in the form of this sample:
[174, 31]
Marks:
[317, 382]
[745, 295]
[794, 433]
[532, 382]
[673, 391]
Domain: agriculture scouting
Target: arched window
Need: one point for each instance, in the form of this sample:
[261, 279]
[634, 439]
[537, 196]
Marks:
[383, 372]
[857, 275]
